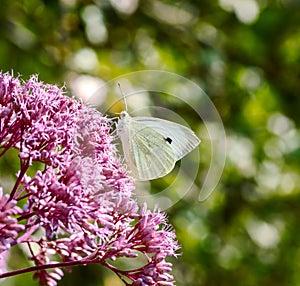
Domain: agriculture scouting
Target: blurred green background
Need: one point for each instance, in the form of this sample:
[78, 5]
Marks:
[245, 54]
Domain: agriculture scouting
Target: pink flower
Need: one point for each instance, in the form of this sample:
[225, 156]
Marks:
[81, 199]
[9, 226]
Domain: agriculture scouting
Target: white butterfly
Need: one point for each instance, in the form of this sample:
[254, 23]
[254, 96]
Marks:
[153, 145]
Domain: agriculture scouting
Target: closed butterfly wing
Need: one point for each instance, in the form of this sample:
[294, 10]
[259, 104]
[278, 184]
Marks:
[153, 145]
[182, 139]
[147, 152]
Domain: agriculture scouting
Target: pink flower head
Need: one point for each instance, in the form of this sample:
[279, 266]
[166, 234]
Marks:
[9, 226]
[78, 208]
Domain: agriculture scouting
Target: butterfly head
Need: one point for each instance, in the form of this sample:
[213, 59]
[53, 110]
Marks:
[124, 114]
[123, 122]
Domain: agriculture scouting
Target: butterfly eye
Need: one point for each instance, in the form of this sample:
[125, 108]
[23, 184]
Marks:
[169, 140]
[123, 114]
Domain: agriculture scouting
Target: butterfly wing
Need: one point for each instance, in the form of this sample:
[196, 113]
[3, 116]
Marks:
[182, 139]
[147, 152]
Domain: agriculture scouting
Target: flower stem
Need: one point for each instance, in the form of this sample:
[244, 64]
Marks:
[47, 266]
[22, 173]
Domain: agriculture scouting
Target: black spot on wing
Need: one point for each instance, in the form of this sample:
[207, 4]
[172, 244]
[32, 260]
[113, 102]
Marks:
[168, 139]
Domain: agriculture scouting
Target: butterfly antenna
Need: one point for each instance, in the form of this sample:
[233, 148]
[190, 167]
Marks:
[124, 98]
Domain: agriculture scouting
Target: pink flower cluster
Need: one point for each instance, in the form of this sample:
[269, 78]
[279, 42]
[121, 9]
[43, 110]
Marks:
[72, 202]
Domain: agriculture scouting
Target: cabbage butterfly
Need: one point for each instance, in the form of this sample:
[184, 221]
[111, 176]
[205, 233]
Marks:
[153, 145]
